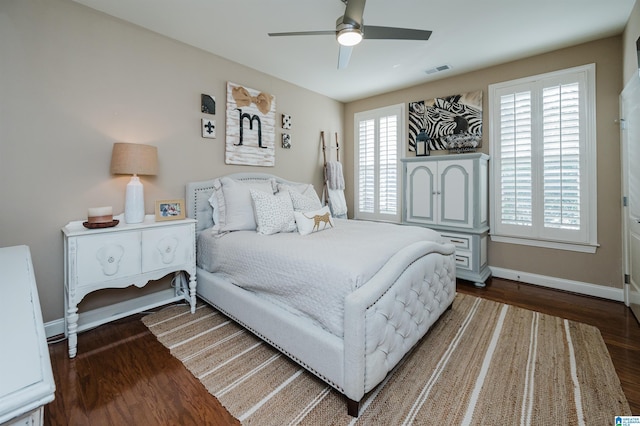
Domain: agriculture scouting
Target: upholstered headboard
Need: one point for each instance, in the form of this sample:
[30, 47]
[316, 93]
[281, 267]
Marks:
[198, 194]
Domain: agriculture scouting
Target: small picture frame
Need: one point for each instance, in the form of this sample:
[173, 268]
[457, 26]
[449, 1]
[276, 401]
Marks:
[169, 209]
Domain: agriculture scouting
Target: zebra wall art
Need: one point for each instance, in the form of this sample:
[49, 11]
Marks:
[452, 123]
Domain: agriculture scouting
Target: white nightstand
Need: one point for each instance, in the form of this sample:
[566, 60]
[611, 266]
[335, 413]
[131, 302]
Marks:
[118, 257]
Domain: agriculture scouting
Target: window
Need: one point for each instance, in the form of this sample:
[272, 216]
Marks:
[378, 134]
[543, 154]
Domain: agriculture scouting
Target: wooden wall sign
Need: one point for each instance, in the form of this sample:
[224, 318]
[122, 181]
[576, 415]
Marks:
[250, 138]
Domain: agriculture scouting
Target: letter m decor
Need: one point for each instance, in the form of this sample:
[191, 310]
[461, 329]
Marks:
[251, 126]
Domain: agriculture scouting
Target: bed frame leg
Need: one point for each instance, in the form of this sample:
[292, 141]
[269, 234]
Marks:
[353, 407]
[450, 307]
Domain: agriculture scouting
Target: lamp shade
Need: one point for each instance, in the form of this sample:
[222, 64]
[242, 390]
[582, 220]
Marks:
[134, 159]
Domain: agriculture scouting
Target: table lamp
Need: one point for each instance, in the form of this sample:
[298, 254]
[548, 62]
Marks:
[134, 159]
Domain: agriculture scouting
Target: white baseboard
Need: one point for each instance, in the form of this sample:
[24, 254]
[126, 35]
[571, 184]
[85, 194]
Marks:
[98, 316]
[54, 328]
[580, 287]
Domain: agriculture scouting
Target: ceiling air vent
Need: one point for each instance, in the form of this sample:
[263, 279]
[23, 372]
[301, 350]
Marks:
[438, 69]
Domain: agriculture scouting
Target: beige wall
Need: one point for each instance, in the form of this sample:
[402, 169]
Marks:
[73, 81]
[604, 267]
[631, 34]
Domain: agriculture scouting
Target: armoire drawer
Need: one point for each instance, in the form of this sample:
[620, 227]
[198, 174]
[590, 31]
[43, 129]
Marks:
[461, 241]
[463, 260]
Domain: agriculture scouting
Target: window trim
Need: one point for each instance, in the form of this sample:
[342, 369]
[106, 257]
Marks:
[399, 111]
[588, 160]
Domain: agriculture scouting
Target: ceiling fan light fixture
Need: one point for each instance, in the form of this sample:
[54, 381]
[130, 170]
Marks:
[349, 36]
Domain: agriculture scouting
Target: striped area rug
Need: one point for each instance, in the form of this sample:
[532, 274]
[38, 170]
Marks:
[482, 363]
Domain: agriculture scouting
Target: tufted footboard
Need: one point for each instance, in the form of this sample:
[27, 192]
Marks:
[383, 319]
[388, 316]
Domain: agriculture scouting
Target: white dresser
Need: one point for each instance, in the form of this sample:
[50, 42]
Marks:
[26, 380]
[121, 256]
[449, 193]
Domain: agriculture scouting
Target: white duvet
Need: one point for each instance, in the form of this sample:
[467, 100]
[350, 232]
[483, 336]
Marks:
[310, 274]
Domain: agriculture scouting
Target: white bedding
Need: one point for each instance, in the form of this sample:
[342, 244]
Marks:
[310, 274]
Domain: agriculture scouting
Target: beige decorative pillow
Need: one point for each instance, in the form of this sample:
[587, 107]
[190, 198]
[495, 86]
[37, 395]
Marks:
[313, 221]
[274, 213]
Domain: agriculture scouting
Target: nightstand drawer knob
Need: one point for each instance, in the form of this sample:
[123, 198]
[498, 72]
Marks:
[167, 248]
[109, 257]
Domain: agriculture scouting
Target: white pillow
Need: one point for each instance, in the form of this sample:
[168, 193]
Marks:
[217, 204]
[239, 214]
[313, 221]
[303, 203]
[305, 189]
[274, 213]
[299, 187]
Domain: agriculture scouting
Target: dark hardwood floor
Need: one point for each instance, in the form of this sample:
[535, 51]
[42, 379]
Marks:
[124, 376]
[616, 322]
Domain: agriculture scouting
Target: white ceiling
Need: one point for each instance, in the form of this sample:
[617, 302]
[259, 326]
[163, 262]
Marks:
[467, 35]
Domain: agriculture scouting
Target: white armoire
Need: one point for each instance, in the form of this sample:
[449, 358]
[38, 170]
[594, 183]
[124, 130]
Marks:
[449, 193]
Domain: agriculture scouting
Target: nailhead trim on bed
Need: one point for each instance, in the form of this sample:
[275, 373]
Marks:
[279, 348]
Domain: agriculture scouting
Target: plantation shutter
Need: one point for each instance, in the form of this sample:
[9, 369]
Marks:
[543, 153]
[515, 150]
[388, 182]
[366, 160]
[378, 134]
[561, 139]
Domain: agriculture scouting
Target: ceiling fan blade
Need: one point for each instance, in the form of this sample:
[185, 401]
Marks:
[353, 12]
[373, 32]
[344, 54]
[303, 33]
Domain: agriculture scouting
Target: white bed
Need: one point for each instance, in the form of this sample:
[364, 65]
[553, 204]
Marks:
[390, 300]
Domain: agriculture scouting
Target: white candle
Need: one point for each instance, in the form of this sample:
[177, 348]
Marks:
[100, 211]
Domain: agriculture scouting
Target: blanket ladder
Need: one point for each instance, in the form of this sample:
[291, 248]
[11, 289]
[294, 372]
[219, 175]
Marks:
[338, 204]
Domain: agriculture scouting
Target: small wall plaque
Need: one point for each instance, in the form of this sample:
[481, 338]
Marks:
[208, 128]
[286, 121]
[208, 104]
[286, 140]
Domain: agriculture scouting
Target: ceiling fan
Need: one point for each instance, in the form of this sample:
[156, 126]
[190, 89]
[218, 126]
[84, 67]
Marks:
[350, 31]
